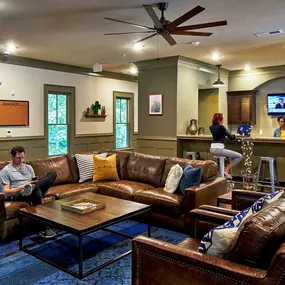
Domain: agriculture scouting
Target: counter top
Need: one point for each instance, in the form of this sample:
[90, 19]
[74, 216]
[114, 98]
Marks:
[251, 138]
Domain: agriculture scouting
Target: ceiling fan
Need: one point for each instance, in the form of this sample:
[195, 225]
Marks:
[166, 28]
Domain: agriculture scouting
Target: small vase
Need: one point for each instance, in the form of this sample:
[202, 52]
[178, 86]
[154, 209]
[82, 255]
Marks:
[249, 181]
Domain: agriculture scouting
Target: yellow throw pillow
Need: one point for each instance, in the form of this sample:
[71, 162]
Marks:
[105, 168]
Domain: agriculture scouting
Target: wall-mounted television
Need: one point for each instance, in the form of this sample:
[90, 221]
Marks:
[276, 104]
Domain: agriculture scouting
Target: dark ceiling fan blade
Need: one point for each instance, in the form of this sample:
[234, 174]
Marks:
[134, 25]
[128, 33]
[201, 26]
[153, 16]
[169, 39]
[145, 38]
[185, 33]
[190, 14]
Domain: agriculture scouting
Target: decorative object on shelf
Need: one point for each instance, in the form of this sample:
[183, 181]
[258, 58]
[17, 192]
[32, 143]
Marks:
[249, 178]
[219, 82]
[103, 111]
[93, 111]
[155, 105]
[193, 127]
[201, 131]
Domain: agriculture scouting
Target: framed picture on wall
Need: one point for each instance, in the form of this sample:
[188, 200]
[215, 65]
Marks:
[155, 105]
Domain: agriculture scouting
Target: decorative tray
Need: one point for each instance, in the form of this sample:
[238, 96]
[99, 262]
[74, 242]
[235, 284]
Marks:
[83, 206]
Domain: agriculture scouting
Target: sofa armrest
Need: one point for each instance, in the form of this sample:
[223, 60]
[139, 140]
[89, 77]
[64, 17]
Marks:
[241, 199]
[156, 262]
[199, 222]
[205, 193]
[216, 209]
[2, 212]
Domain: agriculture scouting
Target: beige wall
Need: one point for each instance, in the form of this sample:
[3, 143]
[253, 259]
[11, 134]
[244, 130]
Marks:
[208, 105]
[266, 80]
[28, 84]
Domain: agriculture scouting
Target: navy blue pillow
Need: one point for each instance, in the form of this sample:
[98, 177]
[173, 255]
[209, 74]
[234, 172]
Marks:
[191, 176]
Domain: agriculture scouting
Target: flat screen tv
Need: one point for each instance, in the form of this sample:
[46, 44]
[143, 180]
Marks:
[276, 104]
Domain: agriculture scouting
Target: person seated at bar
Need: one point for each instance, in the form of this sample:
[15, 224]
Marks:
[19, 183]
[280, 132]
[219, 133]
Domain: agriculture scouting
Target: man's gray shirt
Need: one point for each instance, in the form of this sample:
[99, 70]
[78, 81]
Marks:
[16, 177]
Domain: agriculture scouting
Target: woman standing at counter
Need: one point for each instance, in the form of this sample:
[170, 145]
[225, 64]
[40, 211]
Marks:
[219, 133]
[280, 132]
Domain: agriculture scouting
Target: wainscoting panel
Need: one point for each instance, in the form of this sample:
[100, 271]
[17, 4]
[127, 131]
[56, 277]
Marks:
[157, 146]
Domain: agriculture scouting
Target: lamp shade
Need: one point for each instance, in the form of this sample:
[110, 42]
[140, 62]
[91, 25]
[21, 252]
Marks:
[219, 82]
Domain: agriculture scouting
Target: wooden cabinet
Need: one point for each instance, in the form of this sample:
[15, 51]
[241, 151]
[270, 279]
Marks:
[242, 107]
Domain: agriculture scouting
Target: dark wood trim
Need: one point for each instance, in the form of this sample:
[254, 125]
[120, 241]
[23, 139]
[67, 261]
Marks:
[48, 65]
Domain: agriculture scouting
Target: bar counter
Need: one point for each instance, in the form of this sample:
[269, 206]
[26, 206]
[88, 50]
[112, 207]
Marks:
[263, 146]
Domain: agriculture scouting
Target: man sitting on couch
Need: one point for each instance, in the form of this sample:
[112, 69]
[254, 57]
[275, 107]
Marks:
[19, 183]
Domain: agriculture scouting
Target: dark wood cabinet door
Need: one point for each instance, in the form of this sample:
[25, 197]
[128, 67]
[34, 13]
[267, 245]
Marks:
[241, 107]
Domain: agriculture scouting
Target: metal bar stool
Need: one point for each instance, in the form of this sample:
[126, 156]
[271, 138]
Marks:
[263, 162]
[221, 162]
[193, 154]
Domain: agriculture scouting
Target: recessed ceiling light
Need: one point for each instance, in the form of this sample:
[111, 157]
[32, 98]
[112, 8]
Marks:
[10, 48]
[247, 67]
[216, 56]
[137, 46]
[195, 43]
[133, 70]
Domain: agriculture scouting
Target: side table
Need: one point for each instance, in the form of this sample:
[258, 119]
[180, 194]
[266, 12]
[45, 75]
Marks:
[225, 199]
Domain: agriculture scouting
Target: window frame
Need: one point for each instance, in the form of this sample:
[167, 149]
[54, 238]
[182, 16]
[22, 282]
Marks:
[130, 113]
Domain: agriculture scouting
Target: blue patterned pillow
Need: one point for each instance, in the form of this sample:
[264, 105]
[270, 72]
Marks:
[218, 240]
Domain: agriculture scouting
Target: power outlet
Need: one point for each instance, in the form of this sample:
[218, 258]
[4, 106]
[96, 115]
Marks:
[8, 133]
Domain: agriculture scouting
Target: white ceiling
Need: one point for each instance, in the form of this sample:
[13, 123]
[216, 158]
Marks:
[72, 31]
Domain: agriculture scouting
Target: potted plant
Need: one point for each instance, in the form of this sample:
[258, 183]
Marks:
[103, 110]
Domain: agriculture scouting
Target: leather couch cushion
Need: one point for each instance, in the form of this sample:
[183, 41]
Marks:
[145, 168]
[209, 168]
[3, 164]
[260, 237]
[121, 189]
[122, 158]
[161, 201]
[67, 190]
[190, 244]
[58, 164]
[12, 209]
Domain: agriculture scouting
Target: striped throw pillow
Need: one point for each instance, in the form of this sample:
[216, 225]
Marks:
[85, 165]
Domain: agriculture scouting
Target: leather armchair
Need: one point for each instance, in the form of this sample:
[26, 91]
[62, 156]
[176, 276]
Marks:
[157, 262]
[241, 199]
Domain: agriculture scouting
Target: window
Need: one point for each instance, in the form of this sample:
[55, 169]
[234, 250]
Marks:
[57, 124]
[122, 123]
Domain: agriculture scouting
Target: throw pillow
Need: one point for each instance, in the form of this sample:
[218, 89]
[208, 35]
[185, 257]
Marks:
[85, 165]
[218, 241]
[105, 168]
[191, 176]
[173, 178]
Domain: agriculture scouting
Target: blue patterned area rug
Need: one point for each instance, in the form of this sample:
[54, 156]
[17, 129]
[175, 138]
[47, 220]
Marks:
[19, 268]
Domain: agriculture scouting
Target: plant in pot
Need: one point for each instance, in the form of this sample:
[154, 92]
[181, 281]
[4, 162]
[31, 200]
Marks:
[103, 110]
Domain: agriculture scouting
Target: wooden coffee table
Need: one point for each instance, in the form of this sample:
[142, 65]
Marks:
[51, 214]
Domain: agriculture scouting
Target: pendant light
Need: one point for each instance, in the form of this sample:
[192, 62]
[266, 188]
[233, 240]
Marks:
[219, 82]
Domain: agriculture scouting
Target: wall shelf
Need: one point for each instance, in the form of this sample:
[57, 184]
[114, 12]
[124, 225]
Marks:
[95, 116]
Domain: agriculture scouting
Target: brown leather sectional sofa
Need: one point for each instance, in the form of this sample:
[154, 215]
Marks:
[142, 178]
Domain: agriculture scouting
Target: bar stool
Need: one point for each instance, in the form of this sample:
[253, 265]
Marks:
[263, 162]
[221, 162]
[193, 154]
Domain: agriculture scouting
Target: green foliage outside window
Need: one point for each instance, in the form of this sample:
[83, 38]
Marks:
[122, 124]
[57, 125]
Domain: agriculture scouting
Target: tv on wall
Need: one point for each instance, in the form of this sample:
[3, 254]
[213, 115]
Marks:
[276, 104]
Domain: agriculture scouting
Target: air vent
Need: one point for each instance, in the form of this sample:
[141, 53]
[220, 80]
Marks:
[270, 33]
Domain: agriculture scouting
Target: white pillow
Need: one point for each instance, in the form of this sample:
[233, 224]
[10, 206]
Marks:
[86, 165]
[173, 178]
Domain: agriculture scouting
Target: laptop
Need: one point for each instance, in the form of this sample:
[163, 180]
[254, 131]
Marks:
[244, 129]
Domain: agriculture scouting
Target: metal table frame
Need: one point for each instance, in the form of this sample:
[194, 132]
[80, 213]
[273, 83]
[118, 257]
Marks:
[80, 235]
